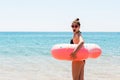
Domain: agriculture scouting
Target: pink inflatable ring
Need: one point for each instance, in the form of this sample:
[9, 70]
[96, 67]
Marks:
[63, 51]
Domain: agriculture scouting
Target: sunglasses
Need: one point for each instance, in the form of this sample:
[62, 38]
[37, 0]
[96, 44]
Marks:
[74, 26]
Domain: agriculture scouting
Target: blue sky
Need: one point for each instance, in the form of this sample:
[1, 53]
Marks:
[57, 15]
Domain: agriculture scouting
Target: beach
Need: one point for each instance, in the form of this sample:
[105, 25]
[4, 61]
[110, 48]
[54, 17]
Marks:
[28, 57]
[42, 68]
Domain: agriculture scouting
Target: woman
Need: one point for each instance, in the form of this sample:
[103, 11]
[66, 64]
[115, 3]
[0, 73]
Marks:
[77, 66]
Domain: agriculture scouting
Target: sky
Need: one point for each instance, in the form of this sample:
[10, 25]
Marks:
[57, 15]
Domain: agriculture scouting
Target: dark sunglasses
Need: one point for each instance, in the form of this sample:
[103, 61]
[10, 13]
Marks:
[74, 26]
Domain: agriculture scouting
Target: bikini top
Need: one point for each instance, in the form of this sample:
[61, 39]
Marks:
[71, 41]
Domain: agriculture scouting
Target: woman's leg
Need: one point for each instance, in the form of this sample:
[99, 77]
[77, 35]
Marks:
[81, 77]
[78, 70]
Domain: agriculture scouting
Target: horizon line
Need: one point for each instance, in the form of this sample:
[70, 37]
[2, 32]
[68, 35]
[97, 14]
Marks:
[58, 31]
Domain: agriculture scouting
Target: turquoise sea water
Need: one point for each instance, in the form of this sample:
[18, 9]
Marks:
[26, 56]
[40, 43]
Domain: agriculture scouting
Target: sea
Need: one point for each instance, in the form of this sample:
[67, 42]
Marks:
[27, 56]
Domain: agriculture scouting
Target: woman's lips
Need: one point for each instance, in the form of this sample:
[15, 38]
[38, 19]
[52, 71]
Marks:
[74, 30]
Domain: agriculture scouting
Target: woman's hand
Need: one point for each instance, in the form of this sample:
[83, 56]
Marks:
[73, 55]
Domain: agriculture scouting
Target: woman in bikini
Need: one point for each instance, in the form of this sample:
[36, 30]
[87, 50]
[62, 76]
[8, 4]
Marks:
[77, 66]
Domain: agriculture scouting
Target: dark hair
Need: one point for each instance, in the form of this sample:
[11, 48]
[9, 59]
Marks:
[76, 21]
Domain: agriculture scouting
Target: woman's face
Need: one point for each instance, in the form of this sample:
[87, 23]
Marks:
[75, 27]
